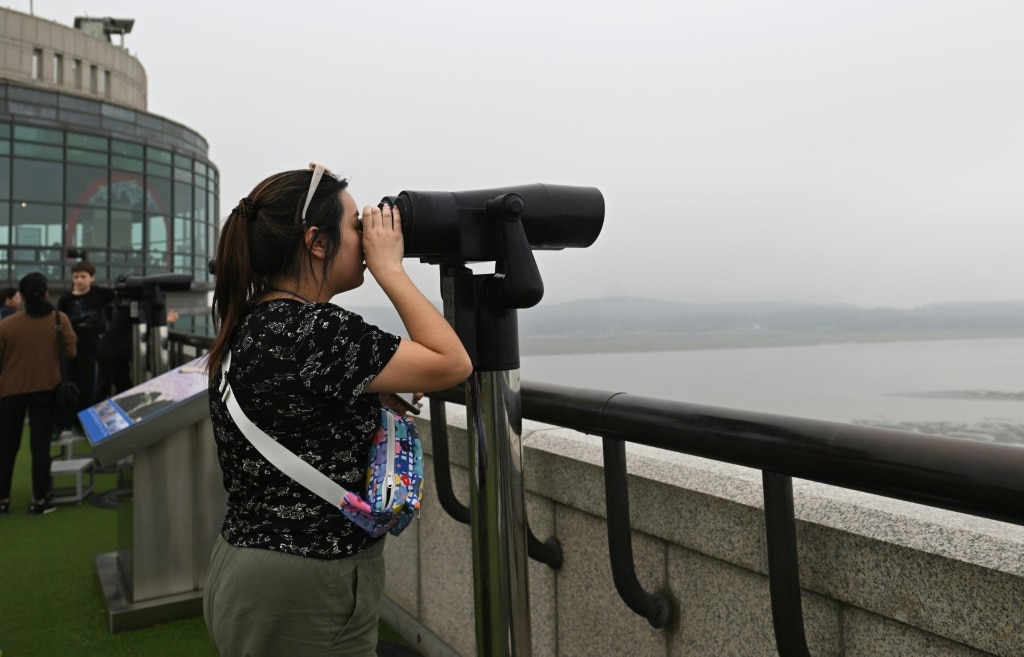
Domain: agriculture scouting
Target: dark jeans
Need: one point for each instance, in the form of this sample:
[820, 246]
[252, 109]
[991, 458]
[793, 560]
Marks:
[82, 371]
[40, 420]
[116, 373]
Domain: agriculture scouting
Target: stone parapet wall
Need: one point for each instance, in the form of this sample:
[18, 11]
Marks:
[880, 577]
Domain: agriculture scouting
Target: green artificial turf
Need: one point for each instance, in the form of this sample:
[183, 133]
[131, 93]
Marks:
[51, 603]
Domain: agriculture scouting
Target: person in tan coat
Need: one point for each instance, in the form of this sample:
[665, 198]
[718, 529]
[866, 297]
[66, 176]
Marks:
[29, 374]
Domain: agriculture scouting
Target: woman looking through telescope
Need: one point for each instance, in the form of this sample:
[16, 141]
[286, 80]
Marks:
[289, 574]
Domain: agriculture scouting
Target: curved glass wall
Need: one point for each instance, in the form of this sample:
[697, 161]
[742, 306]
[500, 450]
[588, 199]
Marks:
[134, 209]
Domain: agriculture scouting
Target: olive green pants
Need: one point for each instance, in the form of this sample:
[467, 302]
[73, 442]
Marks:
[261, 603]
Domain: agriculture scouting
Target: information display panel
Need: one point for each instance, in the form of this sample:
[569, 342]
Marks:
[146, 414]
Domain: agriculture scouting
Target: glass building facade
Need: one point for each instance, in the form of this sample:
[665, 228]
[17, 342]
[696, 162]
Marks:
[133, 191]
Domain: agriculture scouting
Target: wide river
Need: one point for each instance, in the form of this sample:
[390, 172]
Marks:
[967, 388]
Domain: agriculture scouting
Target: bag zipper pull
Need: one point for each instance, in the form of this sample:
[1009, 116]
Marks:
[389, 472]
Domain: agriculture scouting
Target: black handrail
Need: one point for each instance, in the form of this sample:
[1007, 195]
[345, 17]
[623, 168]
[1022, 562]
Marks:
[177, 341]
[190, 339]
[981, 479]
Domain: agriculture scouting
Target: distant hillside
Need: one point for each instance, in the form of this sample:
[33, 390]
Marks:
[633, 323]
[633, 316]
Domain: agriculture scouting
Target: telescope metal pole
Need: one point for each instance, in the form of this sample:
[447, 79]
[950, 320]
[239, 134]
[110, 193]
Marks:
[156, 329]
[149, 334]
[482, 310]
[496, 498]
[158, 356]
[140, 342]
[498, 511]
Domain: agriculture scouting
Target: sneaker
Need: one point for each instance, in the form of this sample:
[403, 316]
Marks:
[41, 509]
[5, 508]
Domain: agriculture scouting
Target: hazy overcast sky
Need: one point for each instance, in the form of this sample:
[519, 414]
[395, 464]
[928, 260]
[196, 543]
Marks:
[868, 151]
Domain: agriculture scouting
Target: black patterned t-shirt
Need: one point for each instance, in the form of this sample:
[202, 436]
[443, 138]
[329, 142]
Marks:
[298, 371]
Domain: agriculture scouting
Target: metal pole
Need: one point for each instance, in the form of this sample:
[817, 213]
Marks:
[158, 361]
[140, 343]
[498, 509]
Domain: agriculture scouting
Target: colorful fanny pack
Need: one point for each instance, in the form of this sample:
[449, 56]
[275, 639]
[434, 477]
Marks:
[394, 474]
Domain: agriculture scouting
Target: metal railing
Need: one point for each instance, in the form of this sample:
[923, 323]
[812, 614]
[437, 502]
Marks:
[183, 347]
[981, 479]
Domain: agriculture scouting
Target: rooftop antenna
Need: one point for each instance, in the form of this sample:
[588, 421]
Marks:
[105, 27]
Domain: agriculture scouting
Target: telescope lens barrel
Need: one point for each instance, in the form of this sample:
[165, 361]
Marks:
[453, 227]
[137, 285]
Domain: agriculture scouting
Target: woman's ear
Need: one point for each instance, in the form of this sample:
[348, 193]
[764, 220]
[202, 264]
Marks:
[315, 242]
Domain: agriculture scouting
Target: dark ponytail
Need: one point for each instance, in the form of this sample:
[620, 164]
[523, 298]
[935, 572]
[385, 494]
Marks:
[33, 292]
[263, 237]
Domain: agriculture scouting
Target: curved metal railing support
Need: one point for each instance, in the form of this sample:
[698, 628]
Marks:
[783, 566]
[442, 464]
[548, 552]
[658, 608]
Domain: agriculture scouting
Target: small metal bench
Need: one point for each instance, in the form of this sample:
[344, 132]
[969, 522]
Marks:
[76, 468]
[67, 442]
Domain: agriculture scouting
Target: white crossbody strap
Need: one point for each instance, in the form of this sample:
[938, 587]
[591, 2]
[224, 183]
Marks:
[277, 454]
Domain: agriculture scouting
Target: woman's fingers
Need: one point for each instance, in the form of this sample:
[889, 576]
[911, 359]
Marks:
[382, 237]
[371, 217]
[385, 217]
[385, 224]
[391, 217]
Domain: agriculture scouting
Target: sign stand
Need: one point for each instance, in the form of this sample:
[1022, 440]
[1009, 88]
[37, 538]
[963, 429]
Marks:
[160, 436]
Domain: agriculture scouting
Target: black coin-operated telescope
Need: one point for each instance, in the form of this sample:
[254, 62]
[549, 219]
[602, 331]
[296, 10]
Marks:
[139, 301]
[503, 225]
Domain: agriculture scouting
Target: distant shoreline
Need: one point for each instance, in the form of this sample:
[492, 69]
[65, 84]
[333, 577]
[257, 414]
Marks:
[562, 345]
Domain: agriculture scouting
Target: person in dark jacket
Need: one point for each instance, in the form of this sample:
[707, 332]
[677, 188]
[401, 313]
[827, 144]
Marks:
[11, 301]
[29, 375]
[88, 307]
[114, 354]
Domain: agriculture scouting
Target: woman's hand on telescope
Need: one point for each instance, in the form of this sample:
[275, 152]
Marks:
[433, 357]
[383, 245]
